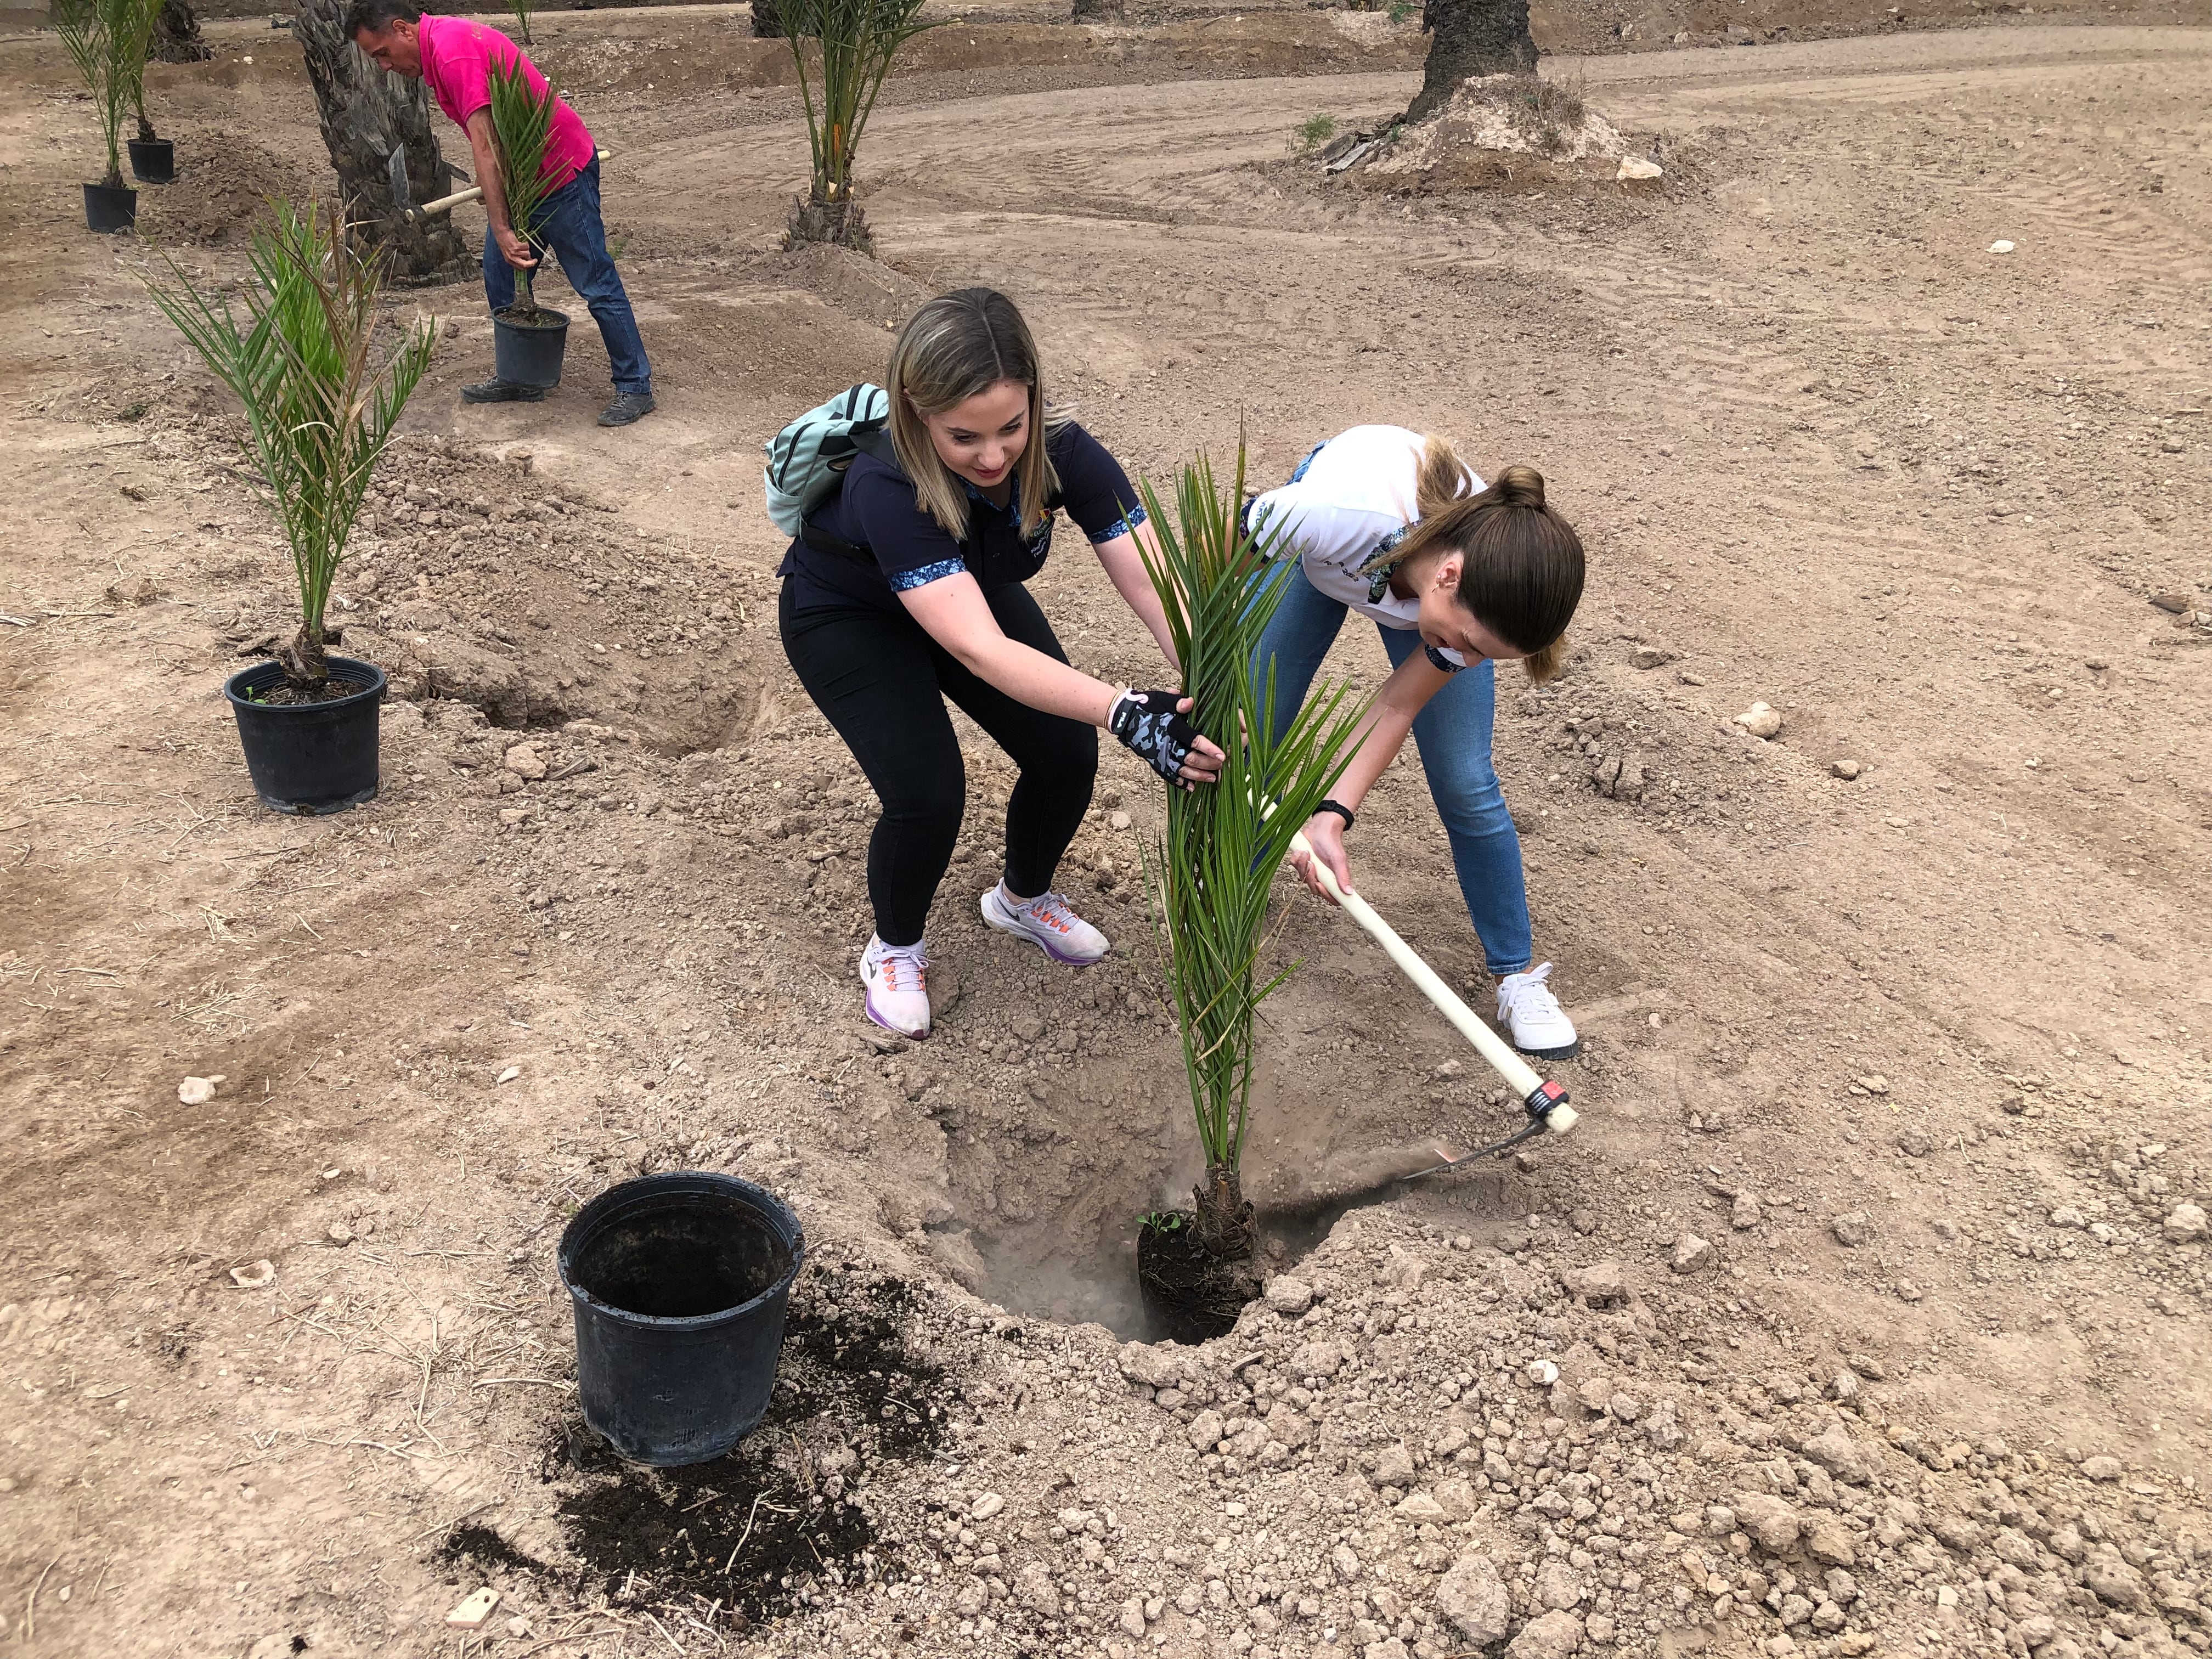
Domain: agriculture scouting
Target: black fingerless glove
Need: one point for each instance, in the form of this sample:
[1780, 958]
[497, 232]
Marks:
[1147, 724]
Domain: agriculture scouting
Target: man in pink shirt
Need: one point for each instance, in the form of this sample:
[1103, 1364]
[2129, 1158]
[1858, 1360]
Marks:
[456, 57]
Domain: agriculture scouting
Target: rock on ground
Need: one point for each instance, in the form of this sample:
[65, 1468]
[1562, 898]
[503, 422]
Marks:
[1473, 1597]
[1553, 1636]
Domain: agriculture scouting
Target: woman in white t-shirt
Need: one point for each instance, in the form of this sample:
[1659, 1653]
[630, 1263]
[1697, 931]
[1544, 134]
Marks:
[1391, 524]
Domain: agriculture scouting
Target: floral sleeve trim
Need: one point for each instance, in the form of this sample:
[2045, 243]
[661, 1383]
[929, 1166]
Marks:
[905, 580]
[1120, 527]
[1443, 664]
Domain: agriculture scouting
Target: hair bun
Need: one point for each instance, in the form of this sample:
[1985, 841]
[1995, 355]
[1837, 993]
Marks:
[1518, 486]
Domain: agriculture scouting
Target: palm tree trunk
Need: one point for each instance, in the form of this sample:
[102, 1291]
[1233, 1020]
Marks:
[366, 114]
[1471, 37]
[840, 223]
[306, 665]
[176, 34]
[1225, 1217]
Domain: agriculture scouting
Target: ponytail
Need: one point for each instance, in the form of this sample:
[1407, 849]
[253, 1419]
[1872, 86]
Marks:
[1442, 479]
[1522, 570]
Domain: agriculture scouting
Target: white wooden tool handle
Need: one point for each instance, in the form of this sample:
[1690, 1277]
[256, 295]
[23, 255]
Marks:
[445, 204]
[460, 198]
[1519, 1075]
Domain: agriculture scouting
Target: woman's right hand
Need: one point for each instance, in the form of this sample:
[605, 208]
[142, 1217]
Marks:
[1324, 833]
[1156, 726]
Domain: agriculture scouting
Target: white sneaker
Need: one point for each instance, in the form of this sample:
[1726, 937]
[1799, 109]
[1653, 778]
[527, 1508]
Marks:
[1533, 1021]
[897, 981]
[1048, 923]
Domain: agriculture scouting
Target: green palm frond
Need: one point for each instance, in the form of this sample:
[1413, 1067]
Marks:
[1213, 869]
[320, 404]
[854, 42]
[106, 41]
[522, 130]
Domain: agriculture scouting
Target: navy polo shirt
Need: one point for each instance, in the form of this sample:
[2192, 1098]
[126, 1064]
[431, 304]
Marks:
[876, 508]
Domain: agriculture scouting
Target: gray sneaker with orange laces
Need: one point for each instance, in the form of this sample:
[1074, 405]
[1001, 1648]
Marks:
[1047, 922]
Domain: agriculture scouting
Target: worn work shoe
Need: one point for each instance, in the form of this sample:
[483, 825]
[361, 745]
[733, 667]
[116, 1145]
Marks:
[1533, 1021]
[502, 391]
[897, 981]
[1048, 923]
[628, 406]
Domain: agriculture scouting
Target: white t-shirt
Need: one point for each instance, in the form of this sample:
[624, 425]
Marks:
[1350, 500]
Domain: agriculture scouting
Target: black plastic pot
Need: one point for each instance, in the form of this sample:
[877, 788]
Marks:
[680, 1283]
[110, 207]
[153, 161]
[309, 758]
[529, 354]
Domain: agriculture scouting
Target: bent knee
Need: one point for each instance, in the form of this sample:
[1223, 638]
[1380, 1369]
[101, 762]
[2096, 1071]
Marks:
[932, 807]
[1471, 800]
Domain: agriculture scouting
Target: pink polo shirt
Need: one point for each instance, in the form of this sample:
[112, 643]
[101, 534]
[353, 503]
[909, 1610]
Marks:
[456, 59]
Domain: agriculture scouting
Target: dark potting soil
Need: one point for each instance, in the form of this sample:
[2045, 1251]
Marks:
[1195, 1295]
[285, 695]
[686, 1259]
[479, 1546]
[756, 1530]
[530, 317]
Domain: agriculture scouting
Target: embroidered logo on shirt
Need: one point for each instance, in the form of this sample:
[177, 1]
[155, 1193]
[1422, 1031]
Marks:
[1378, 575]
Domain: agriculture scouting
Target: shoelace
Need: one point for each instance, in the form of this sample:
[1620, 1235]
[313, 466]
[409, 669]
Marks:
[1528, 992]
[1052, 910]
[889, 958]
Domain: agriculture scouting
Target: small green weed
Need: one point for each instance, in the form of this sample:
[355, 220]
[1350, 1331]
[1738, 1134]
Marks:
[1313, 132]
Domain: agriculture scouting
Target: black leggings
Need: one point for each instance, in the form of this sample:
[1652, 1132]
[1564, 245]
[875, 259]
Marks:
[883, 682]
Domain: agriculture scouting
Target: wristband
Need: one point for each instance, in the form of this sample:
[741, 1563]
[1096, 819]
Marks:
[1340, 809]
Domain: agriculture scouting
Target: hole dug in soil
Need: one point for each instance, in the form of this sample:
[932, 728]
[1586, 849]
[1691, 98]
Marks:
[1075, 1275]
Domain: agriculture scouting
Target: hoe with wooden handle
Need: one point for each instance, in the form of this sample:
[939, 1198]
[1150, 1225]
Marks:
[415, 216]
[1546, 1101]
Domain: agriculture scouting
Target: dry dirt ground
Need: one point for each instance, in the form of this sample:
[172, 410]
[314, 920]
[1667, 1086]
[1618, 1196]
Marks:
[1864, 1311]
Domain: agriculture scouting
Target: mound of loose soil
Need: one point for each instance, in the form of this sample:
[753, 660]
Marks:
[1504, 114]
[225, 178]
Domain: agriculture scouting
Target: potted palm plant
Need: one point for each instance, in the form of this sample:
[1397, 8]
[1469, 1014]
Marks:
[1213, 869]
[106, 40]
[854, 42]
[153, 158]
[320, 402]
[528, 340]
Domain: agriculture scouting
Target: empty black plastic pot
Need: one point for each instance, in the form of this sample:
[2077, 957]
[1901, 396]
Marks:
[529, 354]
[110, 207]
[153, 161]
[680, 1283]
[309, 758]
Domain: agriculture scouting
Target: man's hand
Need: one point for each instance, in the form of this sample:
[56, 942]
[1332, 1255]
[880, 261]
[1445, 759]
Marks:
[512, 248]
[1324, 833]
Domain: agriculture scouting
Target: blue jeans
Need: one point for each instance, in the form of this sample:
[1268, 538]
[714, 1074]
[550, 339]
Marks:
[568, 224]
[1453, 734]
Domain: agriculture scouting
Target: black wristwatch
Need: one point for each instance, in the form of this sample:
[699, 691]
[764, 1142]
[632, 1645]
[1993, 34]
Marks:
[1340, 809]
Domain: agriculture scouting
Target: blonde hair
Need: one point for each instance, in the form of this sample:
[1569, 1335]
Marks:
[1522, 569]
[954, 347]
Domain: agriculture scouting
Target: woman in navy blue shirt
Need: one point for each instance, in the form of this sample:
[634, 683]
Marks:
[905, 589]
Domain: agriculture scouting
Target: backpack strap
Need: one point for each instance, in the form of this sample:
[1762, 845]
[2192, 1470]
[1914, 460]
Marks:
[878, 444]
